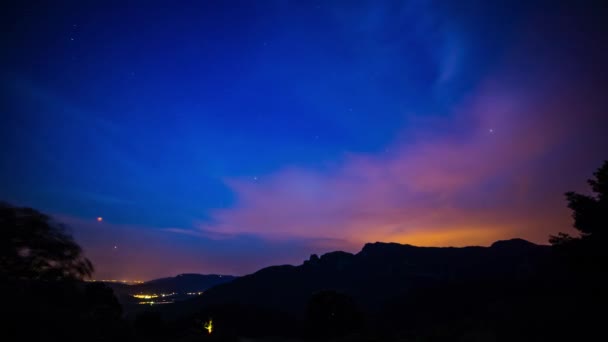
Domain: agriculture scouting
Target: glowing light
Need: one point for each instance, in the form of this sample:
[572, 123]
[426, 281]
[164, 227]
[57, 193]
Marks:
[155, 302]
[145, 296]
[194, 293]
[99, 219]
[208, 326]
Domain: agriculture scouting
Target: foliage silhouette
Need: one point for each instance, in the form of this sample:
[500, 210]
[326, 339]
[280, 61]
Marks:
[590, 213]
[41, 270]
[585, 257]
[34, 247]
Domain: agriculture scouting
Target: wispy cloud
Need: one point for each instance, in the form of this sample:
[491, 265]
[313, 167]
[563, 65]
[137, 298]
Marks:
[445, 189]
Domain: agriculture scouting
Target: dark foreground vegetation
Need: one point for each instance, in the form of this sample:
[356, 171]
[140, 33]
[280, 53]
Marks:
[511, 291]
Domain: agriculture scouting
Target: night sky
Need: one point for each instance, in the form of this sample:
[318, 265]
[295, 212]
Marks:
[225, 136]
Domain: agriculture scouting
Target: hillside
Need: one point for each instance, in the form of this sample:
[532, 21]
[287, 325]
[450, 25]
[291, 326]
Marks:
[375, 277]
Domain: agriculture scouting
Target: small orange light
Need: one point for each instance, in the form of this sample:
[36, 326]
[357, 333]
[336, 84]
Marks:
[99, 219]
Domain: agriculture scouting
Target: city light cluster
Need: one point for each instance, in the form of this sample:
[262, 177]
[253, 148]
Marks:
[153, 295]
[156, 302]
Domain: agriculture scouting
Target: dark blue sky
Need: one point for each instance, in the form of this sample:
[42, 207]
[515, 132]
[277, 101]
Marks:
[231, 123]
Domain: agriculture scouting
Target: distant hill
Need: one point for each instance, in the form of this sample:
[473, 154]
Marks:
[178, 288]
[188, 282]
[182, 283]
[376, 277]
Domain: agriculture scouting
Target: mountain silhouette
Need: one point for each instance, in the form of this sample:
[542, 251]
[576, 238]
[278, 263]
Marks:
[374, 277]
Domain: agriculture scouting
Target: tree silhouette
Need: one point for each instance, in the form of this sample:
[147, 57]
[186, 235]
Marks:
[590, 213]
[582, 261]
[33, 247]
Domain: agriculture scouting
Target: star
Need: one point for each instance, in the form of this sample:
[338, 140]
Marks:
[491, 130]
[99, 219]
[115, 247]
[255, 178]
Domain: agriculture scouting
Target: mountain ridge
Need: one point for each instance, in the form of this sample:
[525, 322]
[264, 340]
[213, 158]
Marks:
[373, 276]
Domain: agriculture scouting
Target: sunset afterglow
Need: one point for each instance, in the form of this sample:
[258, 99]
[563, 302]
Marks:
[223, 138]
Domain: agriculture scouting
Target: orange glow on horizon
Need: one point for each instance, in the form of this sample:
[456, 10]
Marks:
[453, 237]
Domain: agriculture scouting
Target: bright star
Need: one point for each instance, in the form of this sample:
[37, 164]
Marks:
[99, 219]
